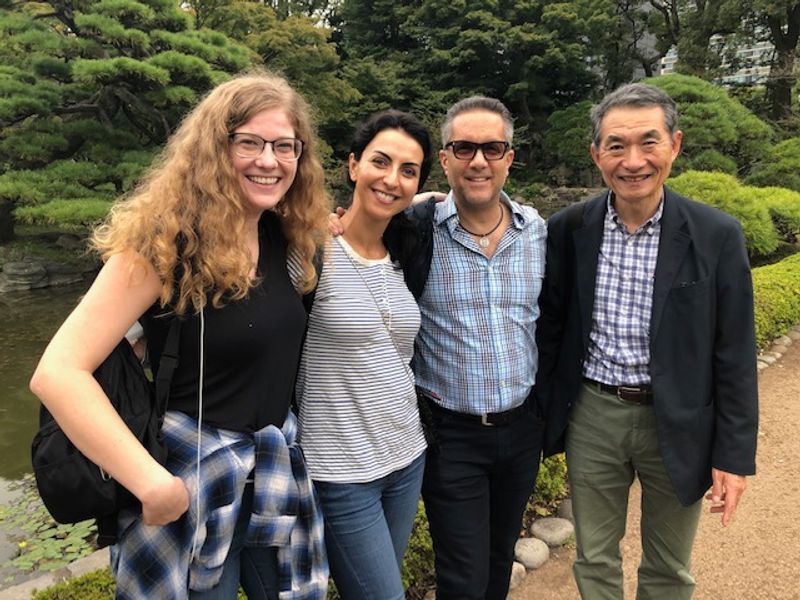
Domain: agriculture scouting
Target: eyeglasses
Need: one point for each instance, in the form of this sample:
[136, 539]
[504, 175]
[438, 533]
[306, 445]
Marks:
[250, 145]
[464, 150]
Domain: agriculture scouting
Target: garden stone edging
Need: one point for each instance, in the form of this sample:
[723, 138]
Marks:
[24, 591]
[100, 559]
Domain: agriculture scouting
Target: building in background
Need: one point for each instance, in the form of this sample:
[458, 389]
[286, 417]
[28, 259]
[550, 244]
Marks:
[747, 65]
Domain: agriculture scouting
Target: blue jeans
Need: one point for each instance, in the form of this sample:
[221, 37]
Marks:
[255, 568]
[367, 526]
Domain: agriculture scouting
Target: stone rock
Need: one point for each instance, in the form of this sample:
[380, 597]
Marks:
[531, 552]
[553, 531]
[793, 335]
[25, 590]
[767, 358]
[565, 509]
[517, 576]
[69, 241]
[23, 275]
[63, 274]
[93, 562]
[784, 340]
[761, 365]
[779, 349]
[65, 279]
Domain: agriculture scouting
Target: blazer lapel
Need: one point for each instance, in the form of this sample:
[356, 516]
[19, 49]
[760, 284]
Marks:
[672, 248]
[587, 241]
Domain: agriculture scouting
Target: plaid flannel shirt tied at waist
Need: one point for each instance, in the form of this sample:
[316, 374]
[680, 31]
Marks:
[156, 562]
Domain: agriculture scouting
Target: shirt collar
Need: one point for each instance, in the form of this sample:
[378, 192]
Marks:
[446, 212]
[614, 222]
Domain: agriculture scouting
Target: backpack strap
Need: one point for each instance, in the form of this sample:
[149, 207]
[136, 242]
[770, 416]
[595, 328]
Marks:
[167, 366]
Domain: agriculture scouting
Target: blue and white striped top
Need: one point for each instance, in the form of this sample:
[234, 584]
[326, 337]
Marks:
[358, 410]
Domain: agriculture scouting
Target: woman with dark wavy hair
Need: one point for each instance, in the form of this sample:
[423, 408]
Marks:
[359, 424]
[205, 238]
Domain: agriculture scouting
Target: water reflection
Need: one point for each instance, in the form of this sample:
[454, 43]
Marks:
[27, 322]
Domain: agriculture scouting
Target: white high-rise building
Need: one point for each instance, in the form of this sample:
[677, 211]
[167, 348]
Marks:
[754, 62]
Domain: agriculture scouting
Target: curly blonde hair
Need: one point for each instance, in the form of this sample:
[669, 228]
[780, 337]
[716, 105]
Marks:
[188, 214]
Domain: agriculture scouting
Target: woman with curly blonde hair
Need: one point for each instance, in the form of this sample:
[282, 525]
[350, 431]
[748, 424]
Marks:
[205, 238]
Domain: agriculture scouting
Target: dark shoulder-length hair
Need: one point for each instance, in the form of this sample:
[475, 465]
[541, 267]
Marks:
[400, 237]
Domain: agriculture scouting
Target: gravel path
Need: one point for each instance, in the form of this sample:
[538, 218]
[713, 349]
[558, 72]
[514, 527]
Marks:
[757, 557]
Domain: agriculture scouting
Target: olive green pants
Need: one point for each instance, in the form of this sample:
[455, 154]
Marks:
[608, 443]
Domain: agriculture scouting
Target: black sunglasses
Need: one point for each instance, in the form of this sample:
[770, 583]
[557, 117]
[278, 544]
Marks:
[464, 150]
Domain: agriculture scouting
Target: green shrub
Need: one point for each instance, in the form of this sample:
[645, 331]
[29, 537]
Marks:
[97, 585]
[418, 564]
[782, 168]
[719, 132]
[551, 483]
[784, 209]
[68, 215]
[776, 289]
[745, 203]
[713, 160]
[566, 142]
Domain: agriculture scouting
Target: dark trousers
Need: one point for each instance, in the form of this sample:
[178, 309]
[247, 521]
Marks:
[476, 485]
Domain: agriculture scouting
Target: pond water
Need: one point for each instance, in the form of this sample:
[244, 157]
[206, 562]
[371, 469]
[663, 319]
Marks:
[27, 322]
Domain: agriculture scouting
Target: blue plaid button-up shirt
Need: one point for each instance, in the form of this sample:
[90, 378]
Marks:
[156, 562]
[476, 348]
[619, 342]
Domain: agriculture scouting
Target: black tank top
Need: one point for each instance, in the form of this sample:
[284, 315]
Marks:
[252, 347]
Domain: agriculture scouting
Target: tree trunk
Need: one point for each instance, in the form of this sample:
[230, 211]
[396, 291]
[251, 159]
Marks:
[781, 82]
[6, 220]
[781, 74]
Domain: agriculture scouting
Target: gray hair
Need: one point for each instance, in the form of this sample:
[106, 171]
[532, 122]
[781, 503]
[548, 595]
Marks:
[478, 103]
[638, 95]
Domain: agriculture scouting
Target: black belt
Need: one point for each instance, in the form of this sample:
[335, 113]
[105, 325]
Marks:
[486, 419]
[632, 394]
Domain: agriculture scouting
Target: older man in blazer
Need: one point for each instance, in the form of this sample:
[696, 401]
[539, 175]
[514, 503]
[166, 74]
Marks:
[647, 362]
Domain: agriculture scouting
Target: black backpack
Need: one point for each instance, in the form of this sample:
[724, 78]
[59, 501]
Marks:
[72, 487]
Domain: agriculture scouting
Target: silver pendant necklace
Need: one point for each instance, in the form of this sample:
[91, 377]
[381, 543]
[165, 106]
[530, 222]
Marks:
[483, 240]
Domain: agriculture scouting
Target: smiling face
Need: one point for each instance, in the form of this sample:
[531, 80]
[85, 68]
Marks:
[265, 179]
[387, 175]
[476, 183]
[635, 154]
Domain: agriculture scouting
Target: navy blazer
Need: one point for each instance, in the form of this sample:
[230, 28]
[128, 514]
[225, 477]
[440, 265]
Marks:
[702, 336]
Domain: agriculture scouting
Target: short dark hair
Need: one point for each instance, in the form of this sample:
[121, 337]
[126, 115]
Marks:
[394, 119]
[478, 103]
[638, 95]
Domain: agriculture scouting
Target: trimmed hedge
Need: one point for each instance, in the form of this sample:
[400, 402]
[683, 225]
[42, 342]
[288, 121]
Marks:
[781, 168]
[769, 216]
[777, 298]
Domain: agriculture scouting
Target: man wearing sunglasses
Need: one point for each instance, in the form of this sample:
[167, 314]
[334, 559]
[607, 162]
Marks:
[476, 358]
